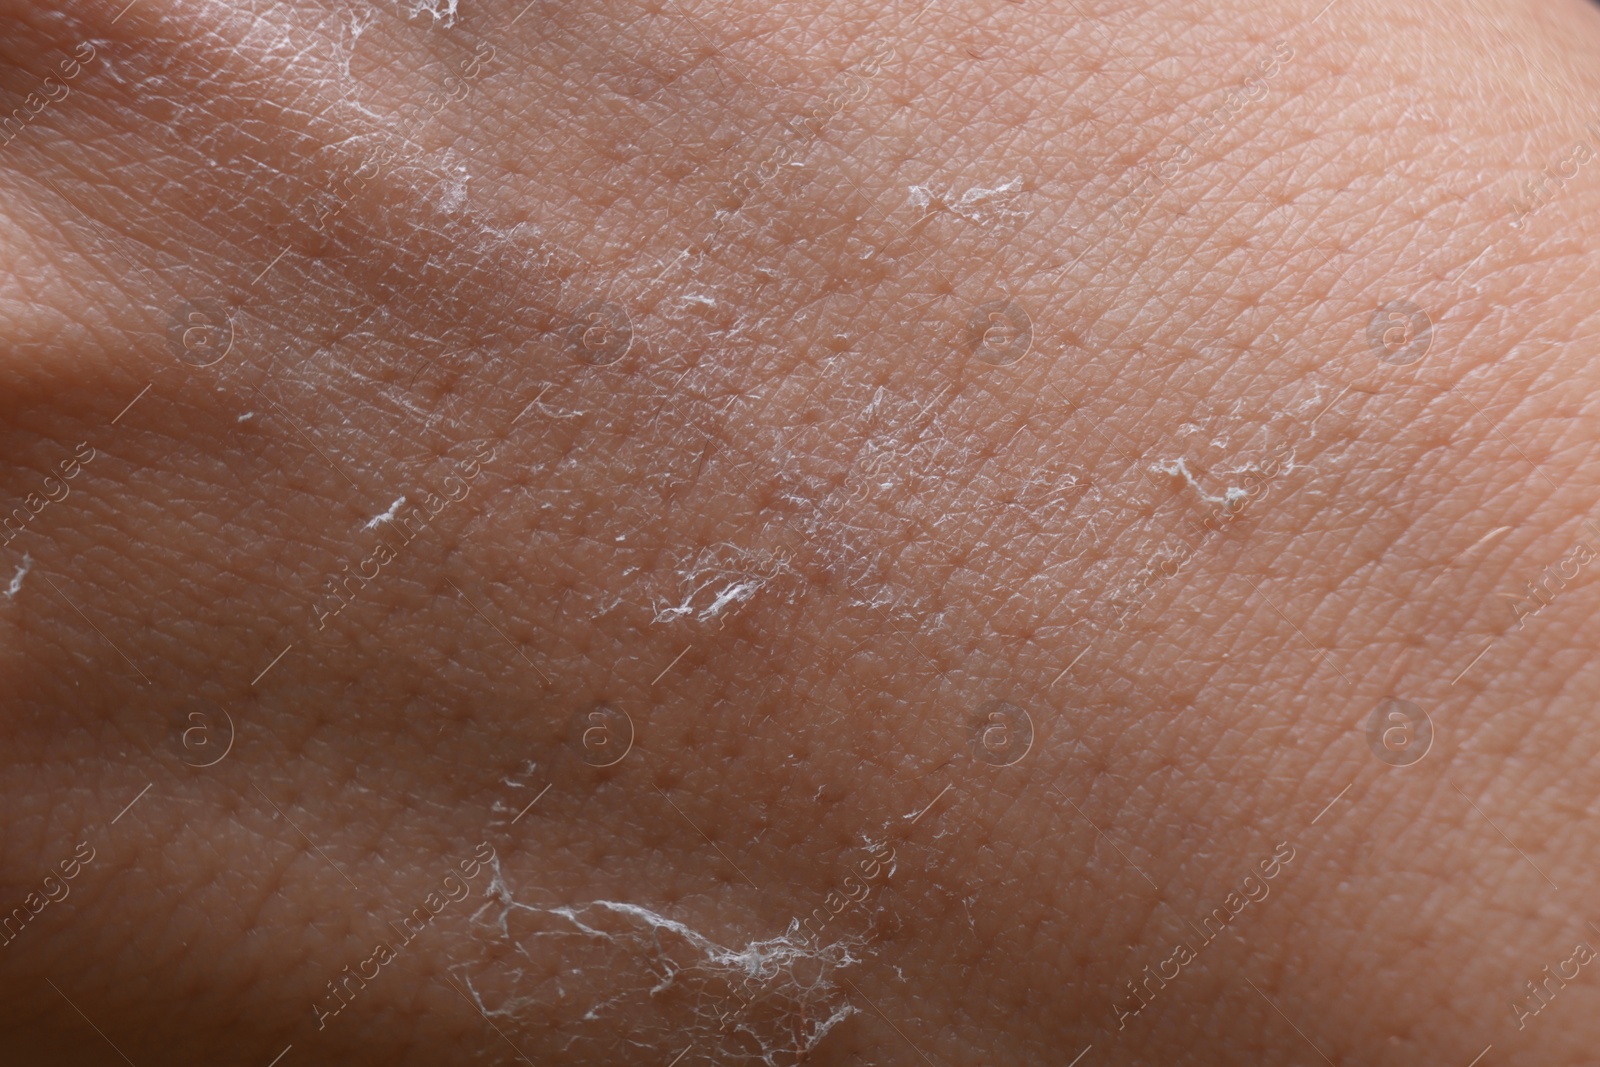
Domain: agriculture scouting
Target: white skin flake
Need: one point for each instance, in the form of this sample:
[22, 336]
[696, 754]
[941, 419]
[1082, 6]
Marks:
[442, 11]
[718, 578]
[1179, 468]
[768, 1001]
[979, 204]
[387, 516]
[16, 580]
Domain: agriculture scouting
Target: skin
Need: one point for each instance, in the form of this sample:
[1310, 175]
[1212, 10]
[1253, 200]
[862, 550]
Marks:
[802, 533]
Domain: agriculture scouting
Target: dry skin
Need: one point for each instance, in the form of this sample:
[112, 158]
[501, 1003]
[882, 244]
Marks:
[659, 533]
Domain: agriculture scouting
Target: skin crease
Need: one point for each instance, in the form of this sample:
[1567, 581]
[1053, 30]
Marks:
[801, 534]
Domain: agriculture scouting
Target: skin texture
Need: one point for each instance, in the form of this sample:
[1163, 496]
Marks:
[786, 385]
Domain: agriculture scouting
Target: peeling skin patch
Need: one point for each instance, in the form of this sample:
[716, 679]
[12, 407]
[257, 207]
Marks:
[769, 1001]
[16, 579]
[353, 29]
[455, 189]
[978, 204]
[442, 11]
[387, 516]
[717, 579]
[1230, 497]
[526, 781]
[527, 771]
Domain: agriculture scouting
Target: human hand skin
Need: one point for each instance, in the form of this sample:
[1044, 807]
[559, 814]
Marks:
[801, 534]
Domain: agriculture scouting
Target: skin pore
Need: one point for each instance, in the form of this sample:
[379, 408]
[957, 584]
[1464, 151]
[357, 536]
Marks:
[933, 534]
